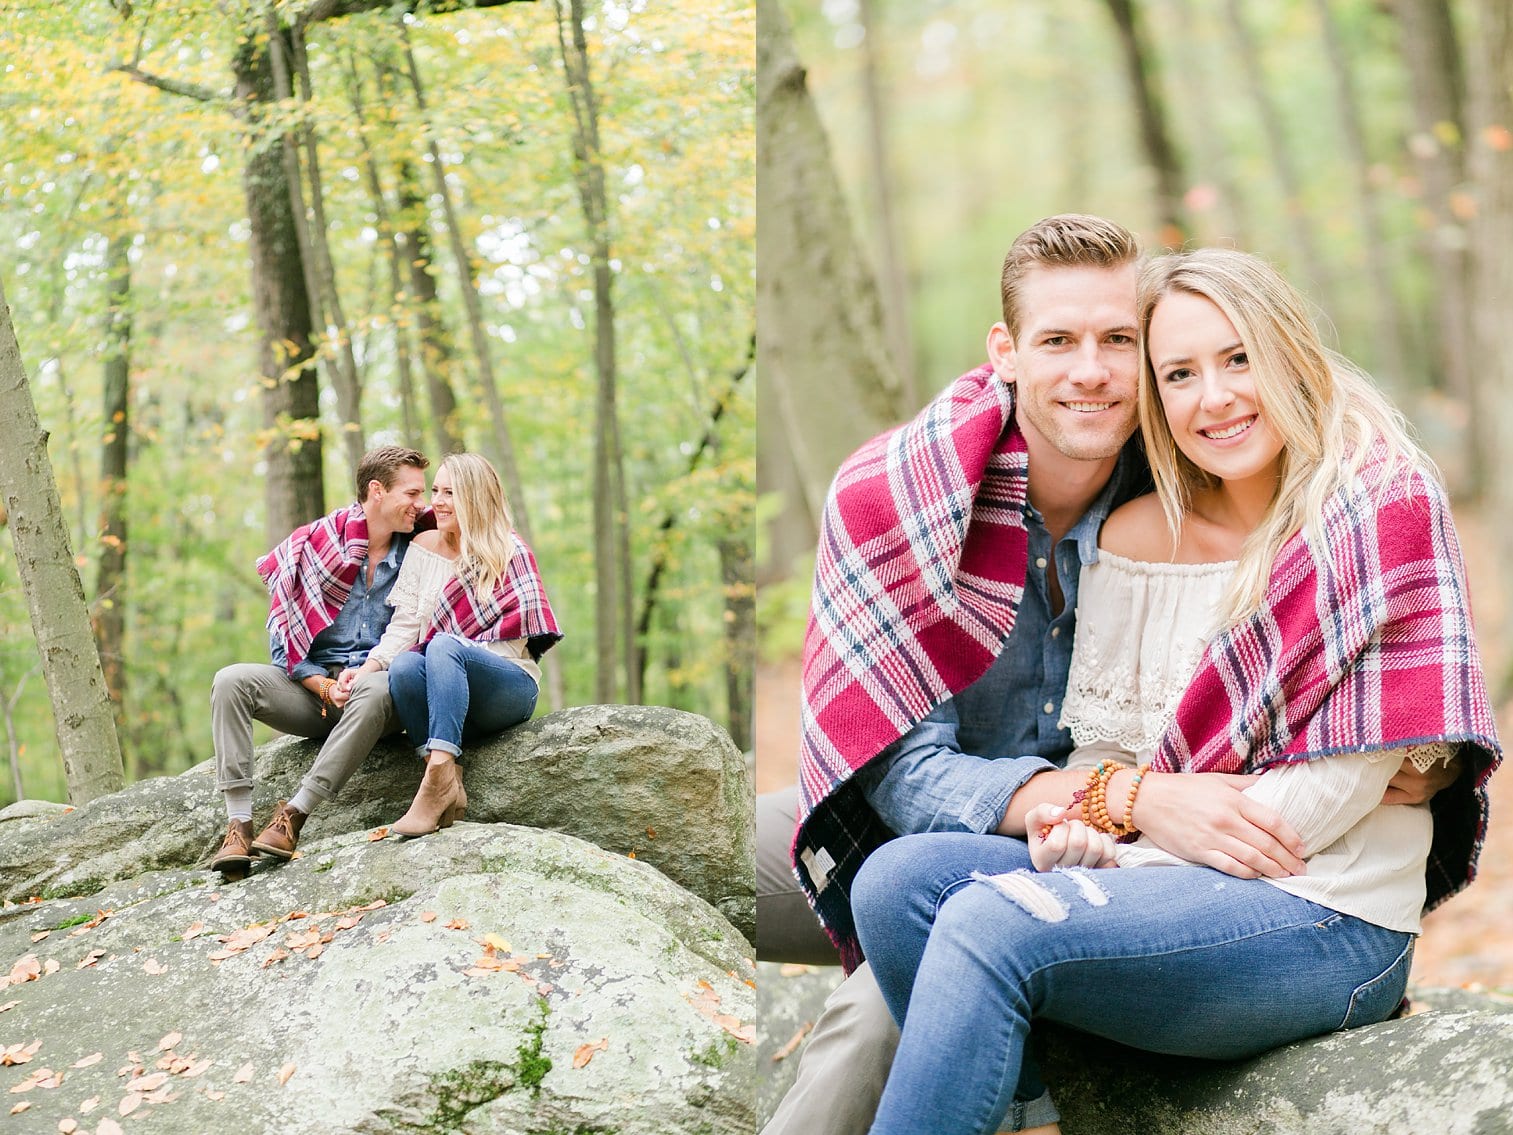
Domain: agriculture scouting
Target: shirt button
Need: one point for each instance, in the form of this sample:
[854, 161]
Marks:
[1040, 562]
[1050, 707]
[1055, 632]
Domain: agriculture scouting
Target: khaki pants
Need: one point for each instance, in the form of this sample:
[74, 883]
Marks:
[845, 1063]
[252, 691]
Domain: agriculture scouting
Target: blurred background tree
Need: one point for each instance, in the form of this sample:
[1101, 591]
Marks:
[249, 240]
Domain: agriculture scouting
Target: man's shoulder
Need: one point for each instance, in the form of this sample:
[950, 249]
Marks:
[1137, 530]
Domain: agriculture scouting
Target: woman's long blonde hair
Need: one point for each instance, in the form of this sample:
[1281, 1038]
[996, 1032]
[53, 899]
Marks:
[1327, 412]
[485, 525]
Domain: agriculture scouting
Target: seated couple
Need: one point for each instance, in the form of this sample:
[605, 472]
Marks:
[1273, 673]
[384, 615]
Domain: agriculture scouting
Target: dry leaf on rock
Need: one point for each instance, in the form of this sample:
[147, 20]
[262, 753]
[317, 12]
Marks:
[586, 1052]
[243, 1074]
[170, 1041]
[793, 1042]
[20, 1107]
[38, 935]
[194, 931]
[68, 1125]
[428, 916]
[214, 1095]
[90, 1104]
[154, 967]
[129, 1104]
[90, 959]
[284, 1073]
[148, 1083]
[52, 965]
[89, 1061]
[9, 1005]
[278, 955]
[458, 924]
[108, 1126]
[377, 834]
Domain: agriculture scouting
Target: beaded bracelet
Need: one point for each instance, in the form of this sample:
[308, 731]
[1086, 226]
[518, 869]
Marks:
[1129, 802]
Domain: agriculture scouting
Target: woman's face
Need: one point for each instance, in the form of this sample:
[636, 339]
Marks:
[1207, 392]
[442, 503]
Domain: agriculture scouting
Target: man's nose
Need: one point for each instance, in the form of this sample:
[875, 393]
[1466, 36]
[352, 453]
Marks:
[1087, 365]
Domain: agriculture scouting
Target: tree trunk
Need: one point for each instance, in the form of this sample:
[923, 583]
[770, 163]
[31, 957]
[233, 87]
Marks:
[1315, 277]
[1492, 171]
[1432, 52]
[54, 596]
[504, 449]
[436, 351]
[291, 397]
[827, 382]
[1389, 321]
[1155, 137]
[611, 523]
[895, 276]
[1192, 70]
[110, 579]
[738, 574]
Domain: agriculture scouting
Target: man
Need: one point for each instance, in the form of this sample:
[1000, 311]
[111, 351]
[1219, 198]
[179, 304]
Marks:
[940, 637]
[329, 583]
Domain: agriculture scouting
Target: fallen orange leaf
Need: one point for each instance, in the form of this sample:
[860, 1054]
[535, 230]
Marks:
[377, 834]
[194, 931]
[243, 1074]
[108, 1126]
[148, 1083]
[129, 1104]
[428, 916]
[20, 1107]
[278, 955]
[793, 1042]
[90, 1104]
[458, 924]
[170, 1041]
[213, 1095]
[154, 967]
[90, 959]
[88, 1061]
[68, 1125]
[284, 1073]
[9, 1005]
[586, 1052]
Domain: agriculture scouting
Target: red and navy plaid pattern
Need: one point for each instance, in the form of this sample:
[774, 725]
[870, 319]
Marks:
[1367, 646]
[918, 575]
[309, 577]
[516, 608]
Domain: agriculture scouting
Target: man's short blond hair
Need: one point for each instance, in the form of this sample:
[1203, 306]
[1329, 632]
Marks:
[1067, 240]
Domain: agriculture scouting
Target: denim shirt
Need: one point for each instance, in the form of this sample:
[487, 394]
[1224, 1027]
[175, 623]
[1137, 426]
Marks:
[958, 768]
[358, 626]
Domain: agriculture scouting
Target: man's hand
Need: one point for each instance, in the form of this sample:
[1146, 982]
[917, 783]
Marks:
[1068, 842]
[1409, 786]
[1206, 818]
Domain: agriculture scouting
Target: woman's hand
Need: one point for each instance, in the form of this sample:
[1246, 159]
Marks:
[1206, 818]
[1065, 842]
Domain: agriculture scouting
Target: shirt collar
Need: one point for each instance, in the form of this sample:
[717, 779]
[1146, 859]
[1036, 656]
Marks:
[1086, 530]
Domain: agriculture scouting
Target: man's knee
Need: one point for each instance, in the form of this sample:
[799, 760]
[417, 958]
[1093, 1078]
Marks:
[370, 694]
[236, 681]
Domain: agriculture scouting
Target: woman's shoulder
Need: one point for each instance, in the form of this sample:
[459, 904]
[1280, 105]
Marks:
[1137, 530]
[430, 541]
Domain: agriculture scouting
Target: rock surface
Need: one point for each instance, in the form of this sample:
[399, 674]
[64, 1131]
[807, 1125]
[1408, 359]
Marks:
[1447, 1069]
[667, 786]
[486, 979]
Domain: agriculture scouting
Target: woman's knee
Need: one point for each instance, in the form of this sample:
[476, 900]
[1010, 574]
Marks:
[407, 674]
[445, 647]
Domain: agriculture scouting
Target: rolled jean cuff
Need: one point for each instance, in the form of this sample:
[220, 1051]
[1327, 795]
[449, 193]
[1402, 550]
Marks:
[1031, 1113]
[437, 745]
[239, 782]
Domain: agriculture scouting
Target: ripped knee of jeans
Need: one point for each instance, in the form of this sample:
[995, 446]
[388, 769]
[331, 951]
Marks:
[1087, 885]
[1028, 892]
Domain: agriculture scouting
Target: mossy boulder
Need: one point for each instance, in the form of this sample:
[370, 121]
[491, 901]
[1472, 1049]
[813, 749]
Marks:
[665, 786]
[486, 979]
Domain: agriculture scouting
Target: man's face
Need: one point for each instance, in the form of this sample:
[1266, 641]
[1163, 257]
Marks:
[399, 504]
[1075, 361]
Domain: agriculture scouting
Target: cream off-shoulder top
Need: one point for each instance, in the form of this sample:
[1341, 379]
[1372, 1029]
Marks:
[1141, 631]
[422, 577]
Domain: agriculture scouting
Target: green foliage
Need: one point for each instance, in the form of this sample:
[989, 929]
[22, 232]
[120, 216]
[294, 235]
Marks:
[530, 1066]
[97, 154]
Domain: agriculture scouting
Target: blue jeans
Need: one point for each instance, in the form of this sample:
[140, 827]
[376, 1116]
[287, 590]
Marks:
[458, 687]
[1179, 960]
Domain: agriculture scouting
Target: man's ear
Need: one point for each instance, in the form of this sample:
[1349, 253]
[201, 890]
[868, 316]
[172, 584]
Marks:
[375, 483]
[1001, 352]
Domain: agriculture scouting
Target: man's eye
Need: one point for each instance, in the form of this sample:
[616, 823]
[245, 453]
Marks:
[1122, 339]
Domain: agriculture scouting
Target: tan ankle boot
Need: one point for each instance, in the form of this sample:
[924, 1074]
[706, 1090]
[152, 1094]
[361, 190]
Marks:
[437, 804]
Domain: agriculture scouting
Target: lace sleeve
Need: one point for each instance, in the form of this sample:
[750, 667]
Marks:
[413, 597]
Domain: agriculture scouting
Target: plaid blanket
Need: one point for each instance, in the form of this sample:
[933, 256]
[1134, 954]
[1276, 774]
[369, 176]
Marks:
[1367, 647]
[309, 577]
[516, 608]
[918, 575]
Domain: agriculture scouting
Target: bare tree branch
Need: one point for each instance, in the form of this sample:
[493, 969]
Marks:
[172, 86]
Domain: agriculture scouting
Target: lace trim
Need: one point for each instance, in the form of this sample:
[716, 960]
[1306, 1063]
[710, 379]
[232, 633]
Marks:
[419, 590]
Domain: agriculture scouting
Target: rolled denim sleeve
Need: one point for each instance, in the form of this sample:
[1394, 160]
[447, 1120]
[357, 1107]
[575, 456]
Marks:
[925, 783]
[280, 658]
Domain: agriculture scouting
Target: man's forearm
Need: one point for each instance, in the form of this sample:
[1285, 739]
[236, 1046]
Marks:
[1053, 786]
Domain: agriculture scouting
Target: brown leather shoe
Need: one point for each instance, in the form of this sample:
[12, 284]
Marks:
[281, 836]
[235, 854]
[439, 803]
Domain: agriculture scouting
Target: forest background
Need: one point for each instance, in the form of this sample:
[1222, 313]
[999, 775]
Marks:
[247, 240]
[1364, 146]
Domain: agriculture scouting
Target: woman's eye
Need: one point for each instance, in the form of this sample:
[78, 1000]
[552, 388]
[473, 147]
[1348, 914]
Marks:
[1239, 359]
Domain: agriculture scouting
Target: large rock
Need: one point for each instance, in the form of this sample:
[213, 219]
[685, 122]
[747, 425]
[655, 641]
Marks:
[1446, 1069]
[668, 787]
[462, 981]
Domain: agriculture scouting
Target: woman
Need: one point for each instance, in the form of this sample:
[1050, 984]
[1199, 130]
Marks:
[1298, 552]
[471, 620]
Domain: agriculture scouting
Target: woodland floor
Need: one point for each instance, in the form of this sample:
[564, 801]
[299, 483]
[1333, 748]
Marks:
[1467, 943]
